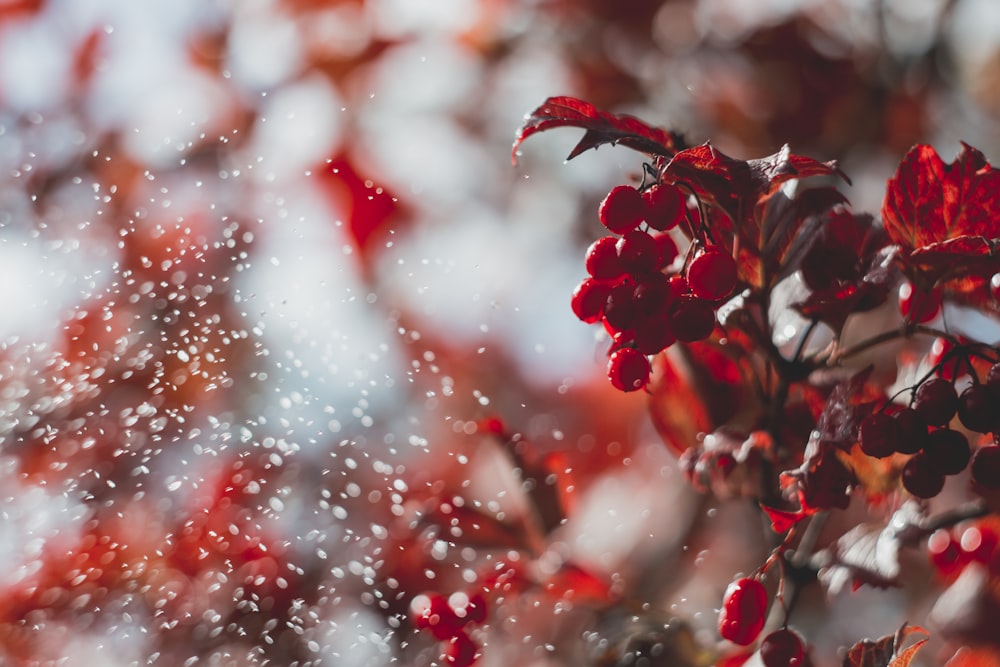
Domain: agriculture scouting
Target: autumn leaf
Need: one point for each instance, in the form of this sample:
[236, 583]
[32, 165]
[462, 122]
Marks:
[886, 651]
[601, 128]
[928, 201]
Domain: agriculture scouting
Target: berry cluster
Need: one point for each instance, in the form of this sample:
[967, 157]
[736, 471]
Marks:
[447, 619]
[630, 287]
[938, 450]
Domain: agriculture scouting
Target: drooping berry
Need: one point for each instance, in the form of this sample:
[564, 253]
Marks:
[601, 260]
[921, 478]
[878, 435]
[623, 209]
[621, 310]
[692, 319]
[781, 648]
[628, 369]
[653, 294]
[912, 431]
[712, 274]
[948, 450]
[667, 206]
[979, 408]
[918, 305]
[986, 467]
[638, 253]
[936, 401]
[668, 248]
[589, 300]
[743, 611]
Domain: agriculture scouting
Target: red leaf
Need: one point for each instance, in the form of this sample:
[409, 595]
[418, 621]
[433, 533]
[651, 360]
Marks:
[886, 651]
[928, 201]
[601, 128]
[956, 258]
[782, 520]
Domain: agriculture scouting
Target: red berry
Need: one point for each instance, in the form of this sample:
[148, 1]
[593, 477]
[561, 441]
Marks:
[461, 651]
[945, 552]
[986, 467]
[667, 206]
[589, 300]
[781, 648]
[469, 608]
[628, 369]
[653, 294]
[743, 611]
[692, 319]
[653, 335]
[912, 431]
[936, 401]
[978, 543]
[712, 274]
[638, 253]
[601, 260]
[948, 450]
[878, 435]
[979, 408]
[623, 209]
[917, 305]
[921, 478]
[430, 611]
[621, 310]
[668, 248]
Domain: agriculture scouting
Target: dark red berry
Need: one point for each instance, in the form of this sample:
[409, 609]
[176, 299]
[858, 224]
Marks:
[692, 319]
[667, 206]
[912, 431]
[993, 375]
[978, 543]
[652, 294]
[986, 467]
[879, 435]
[979, 408]
[628, 369]
[469, 608]
[460, 651]
[945, 552]
[653, 335]
[667, 248]
[936, 401]
[948, 450]
[589, 300]
[638, 252]
[781, 648]
[743, 611]
[623, 209]
[621, 310]
[601, 260]
[921, 478]
[712, 274]
[918, 305]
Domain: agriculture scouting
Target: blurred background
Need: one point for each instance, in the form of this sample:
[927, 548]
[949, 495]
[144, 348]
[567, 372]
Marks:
[267, 268]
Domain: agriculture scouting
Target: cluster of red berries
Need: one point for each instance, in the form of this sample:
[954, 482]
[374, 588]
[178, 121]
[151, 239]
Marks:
[447, 619]
[630, 287]
[741, 620]
[938, 450]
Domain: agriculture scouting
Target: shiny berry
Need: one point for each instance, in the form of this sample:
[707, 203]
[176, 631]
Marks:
[979, 408]
[589, 300]
[621, 310]
[978, 543]
[936, 401]
[469, 608]
[878, 435]
[912, 431]
[743, 611]
[623, 209]
[917, 305]
[431, 612]
[781, 648]
[667, 248]
[628, 369]
[948, 450]
[653, 335]
[653, 294]
[692, 319]
[945, 552]
[921, 478]
[638, 253]
[667, 206]
[712, 274]
[601, 260]
[986, 467]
